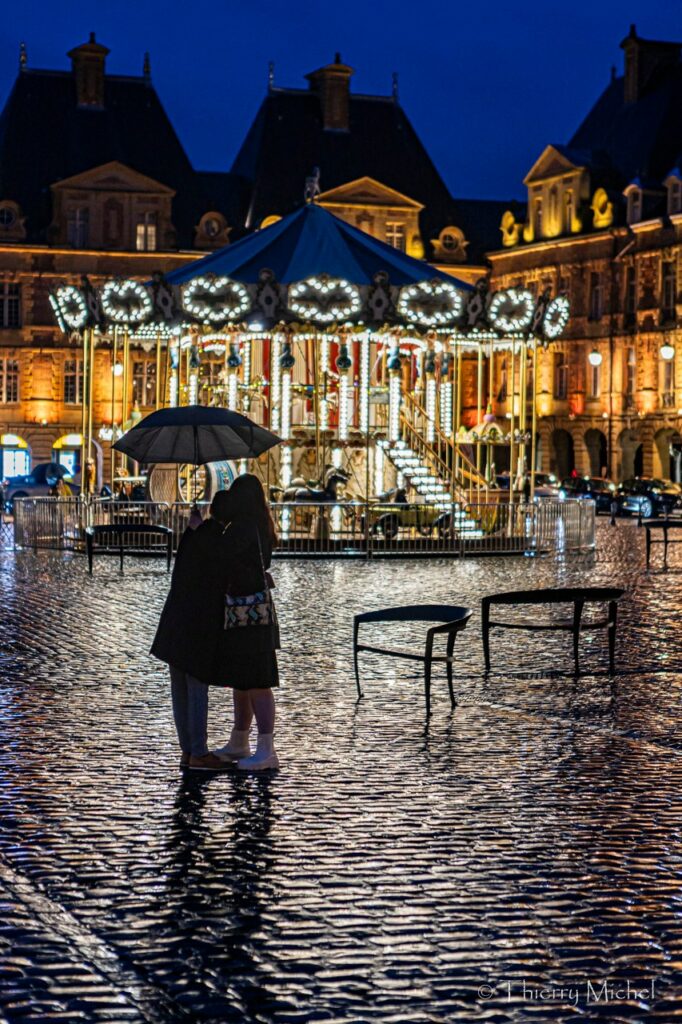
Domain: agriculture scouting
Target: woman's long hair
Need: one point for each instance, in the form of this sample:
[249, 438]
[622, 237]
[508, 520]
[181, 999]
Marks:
[245, 502]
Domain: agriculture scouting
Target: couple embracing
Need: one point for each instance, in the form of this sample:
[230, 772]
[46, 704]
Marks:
[219, 628]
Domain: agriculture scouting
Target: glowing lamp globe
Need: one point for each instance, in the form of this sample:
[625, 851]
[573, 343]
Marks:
[667, 352]
[595, 358]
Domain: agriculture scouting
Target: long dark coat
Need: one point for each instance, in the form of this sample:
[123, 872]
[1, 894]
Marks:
[212, 561]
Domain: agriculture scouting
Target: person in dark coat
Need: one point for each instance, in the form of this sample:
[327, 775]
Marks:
[229, 553]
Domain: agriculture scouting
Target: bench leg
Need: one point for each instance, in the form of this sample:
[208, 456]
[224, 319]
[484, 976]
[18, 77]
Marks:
[427, 674]
[485, 633]
[88, 548]
[613, 613]
[355, 659]
[448, 668]
[648, 546]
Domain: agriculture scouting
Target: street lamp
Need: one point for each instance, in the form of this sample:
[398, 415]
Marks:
[595, 358]
[667, 351]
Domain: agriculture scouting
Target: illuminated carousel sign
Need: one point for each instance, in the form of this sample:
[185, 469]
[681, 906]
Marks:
[322, 301]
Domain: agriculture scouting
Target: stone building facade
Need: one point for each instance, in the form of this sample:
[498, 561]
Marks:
[604, 226]
[94, 181]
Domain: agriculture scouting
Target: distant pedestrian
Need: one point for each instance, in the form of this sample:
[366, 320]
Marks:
[526, 488]
[614, 509]
[229, 554]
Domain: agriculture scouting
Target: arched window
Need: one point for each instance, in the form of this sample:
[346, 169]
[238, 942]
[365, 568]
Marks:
[78, 227]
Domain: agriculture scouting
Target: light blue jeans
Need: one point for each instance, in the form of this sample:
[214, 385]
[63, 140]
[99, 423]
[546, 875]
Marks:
[190, 711]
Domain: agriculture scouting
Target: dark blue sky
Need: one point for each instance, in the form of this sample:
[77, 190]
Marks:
[485, 85]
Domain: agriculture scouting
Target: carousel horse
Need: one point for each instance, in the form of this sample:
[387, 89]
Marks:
[309, 493]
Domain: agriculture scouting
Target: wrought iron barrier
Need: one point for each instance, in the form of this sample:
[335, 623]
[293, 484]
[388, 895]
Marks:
[360, 529]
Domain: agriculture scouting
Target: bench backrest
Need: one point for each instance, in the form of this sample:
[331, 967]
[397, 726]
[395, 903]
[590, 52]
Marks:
[555, 596]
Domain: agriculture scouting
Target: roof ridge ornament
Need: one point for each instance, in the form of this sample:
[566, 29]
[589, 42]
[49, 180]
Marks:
[147, 68]
[271, 75]
[394, 85]
[312, 186]
[23, 56]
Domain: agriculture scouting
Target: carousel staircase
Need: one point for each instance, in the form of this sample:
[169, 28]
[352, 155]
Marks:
[428, 486]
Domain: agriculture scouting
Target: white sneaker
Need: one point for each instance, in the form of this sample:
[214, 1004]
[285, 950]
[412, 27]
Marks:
[264, 757]
[237, 746]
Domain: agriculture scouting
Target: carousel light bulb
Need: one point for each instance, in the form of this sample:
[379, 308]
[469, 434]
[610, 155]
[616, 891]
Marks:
[343, 407]
[232, 390]
[394, 407]
[193, 389]
[446, 407]
[276, 384]
[364, 383]
[431, 409]
[173, 391]
[285, 425]
[117, 369]
[324, 353]
[285, 466]
[324, 414]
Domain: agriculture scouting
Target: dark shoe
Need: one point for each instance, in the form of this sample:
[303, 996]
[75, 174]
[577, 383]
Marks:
[207, 763]
[184, 761]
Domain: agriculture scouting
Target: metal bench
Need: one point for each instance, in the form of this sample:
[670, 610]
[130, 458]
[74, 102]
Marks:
[577, 596]
[127, 538]
[664, 525]
[453, 620]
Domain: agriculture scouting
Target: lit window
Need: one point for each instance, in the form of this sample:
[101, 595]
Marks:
[568, 210]
[630, 371]
[73, 381]
[10, 304]
[594, 374]
[395, 235]
[145, 233]
[9, 381]
[537, 208]
[668, 383]
[560, 376]
[78, 227]
[668, 289]
[144, 382]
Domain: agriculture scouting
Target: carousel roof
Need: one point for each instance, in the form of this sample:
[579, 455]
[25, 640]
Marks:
[309, 242]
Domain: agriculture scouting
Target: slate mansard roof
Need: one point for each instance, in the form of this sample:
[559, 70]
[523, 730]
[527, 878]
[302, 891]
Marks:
[287, 140]
[46, 137]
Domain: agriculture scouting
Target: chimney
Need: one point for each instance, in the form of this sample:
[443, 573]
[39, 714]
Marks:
[332, 85]
[646, 62]
[87, 65]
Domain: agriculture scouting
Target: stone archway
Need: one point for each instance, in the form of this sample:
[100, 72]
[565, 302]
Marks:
[597, 451]
[668, 454]
[562, 456]
[631, 453]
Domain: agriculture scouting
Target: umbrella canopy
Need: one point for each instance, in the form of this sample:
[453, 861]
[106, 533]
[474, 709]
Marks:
[309, 242]
[195, 434]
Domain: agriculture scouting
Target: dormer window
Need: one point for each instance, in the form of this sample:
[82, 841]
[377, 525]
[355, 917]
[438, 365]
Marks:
[674, 186]
[145, 232]
[634, 206]
[78, 227]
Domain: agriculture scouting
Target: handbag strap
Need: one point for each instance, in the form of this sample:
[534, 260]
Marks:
[262, 562]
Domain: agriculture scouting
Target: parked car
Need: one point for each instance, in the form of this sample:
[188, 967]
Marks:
[648, 497]
[39, 483]
[546, 484]
[598, 489]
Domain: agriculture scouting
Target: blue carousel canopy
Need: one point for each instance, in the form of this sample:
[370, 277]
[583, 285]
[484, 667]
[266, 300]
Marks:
[309, 242]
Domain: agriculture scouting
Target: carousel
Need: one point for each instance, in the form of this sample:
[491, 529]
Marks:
[381, 374]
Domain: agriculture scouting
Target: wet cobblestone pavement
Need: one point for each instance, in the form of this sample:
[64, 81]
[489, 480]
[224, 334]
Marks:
[503, 864]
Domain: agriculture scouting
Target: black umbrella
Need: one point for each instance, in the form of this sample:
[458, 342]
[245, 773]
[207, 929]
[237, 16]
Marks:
[195, 434]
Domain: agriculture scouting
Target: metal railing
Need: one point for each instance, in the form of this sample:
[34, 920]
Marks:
[343, 529]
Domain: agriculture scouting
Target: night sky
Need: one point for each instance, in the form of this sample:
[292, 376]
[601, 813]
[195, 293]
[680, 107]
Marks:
[487, 86]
